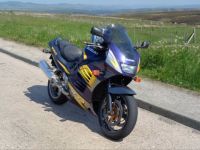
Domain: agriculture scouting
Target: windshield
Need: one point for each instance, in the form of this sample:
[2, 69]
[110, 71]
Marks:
[117, 35]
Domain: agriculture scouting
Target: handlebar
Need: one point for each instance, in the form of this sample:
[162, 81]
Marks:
[95, 45]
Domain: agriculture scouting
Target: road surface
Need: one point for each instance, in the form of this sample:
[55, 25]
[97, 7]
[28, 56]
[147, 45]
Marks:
[29, 120]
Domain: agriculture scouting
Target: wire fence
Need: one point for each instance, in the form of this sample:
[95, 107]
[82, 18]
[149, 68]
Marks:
[165, 35]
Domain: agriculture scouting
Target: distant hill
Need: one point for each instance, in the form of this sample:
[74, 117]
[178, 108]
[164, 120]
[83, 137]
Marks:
[191, 17]
[58, 8]
[80, 8]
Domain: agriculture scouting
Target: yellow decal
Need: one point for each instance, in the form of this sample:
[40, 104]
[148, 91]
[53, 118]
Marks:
[83, 103]
[84, 56]
[87, 75]
[114, 63]
[138, 68]
[111, 59]
[64, 67]
[54, 51]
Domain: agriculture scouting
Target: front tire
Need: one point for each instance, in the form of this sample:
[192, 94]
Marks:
[56, 96]
[124, 119]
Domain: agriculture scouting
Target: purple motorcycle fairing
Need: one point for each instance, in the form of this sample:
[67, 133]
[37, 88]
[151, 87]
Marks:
[110, 72]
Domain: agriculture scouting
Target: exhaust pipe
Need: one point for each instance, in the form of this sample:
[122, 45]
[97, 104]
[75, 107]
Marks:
[46, 69]
[49, 73]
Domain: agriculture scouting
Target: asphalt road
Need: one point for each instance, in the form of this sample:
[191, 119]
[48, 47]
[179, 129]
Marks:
[29, 120]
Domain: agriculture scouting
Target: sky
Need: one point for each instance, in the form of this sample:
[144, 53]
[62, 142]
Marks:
[130, 3]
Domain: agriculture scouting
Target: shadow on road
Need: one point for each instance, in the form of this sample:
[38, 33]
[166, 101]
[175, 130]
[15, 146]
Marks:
[68, 111]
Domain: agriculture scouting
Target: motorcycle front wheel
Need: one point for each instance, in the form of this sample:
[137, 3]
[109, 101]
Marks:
[118, 123]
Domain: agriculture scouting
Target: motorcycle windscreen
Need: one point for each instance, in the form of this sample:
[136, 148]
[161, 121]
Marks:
[117, 35]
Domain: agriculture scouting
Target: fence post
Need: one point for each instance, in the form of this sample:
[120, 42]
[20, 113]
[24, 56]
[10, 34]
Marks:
[191, 37]
[194, 35]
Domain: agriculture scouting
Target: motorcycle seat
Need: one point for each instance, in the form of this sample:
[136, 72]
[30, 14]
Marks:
[68, 51]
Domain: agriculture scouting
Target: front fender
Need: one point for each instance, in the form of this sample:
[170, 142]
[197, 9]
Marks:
[122, 90]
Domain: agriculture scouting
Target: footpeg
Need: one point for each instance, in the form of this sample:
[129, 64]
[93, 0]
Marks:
[46, 50]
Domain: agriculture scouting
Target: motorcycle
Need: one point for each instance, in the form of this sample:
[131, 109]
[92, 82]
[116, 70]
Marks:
[96, 78]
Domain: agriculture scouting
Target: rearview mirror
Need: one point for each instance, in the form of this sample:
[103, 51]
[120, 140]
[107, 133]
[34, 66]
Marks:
[145, 44]
[97, 31]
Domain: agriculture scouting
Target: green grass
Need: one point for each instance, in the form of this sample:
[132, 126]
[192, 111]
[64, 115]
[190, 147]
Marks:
[175, 65]
[167, 60]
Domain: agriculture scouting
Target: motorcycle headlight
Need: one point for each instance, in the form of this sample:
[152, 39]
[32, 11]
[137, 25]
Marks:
[129, 69]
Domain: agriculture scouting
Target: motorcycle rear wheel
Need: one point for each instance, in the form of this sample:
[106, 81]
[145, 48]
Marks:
[56, 96]
[121, 122]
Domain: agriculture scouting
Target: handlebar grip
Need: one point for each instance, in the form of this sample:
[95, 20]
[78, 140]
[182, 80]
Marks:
[88, 43]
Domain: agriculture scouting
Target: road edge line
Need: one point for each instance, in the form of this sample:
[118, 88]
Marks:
[26, 60]
[169, 114]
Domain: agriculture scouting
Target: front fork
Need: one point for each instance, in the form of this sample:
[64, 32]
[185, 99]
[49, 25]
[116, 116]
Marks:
[109, 98]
